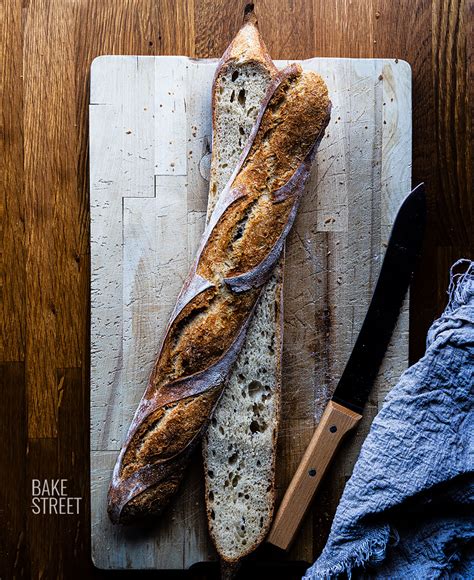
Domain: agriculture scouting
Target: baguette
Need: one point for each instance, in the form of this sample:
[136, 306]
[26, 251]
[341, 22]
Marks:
[238, 251]
[239, 448]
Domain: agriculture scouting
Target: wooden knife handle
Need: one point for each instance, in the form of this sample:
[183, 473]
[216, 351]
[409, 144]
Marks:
[335, 423]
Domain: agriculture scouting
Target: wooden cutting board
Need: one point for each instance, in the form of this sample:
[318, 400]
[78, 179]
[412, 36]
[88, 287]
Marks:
[150, 136]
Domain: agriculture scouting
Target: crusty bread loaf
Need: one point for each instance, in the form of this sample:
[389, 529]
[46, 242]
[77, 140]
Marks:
[238, 251]
[239, 448]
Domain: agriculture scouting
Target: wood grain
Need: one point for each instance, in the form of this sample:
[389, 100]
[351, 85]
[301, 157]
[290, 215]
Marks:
[215, 34]
[51, 204]
[12, 199]
[280, 27]
[13, 540]
[451, 77]
[433, 36]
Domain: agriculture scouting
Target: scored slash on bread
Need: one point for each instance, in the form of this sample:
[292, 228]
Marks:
[239, 249]
[239, 448]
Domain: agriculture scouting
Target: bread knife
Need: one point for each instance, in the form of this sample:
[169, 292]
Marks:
[345, 408]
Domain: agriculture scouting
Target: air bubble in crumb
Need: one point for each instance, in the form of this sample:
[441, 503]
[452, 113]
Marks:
[233, 458]
[254, 388]
[254, 427]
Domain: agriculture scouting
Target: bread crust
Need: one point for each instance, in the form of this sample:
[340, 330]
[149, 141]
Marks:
[209, 323]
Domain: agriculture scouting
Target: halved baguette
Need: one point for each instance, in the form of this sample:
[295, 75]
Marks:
[239, 449]
[238, 252]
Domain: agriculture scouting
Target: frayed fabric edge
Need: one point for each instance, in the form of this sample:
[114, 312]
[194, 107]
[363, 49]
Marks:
[372, 550]
[460, 295]
[458, 290]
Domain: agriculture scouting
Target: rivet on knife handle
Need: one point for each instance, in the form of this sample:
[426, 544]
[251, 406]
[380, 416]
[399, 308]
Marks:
[335, 423]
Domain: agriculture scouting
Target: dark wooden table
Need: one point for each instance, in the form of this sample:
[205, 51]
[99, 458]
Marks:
[47, 47]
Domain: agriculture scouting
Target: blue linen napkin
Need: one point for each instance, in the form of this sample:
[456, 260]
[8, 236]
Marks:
[406, 512]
